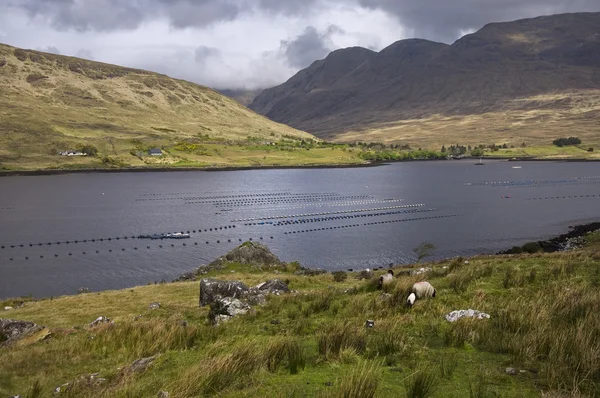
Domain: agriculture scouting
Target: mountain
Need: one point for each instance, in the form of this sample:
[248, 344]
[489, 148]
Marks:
[508, 82]
[51, 103]
[244, 97]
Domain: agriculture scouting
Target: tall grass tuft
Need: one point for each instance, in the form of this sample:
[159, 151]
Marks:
[421, 384]
[447, 364]
[340, 335]
[285, 350]
[361, 382]
[142, 339]
[36, 390]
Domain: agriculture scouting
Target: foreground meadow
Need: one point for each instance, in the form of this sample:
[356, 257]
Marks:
[544, 326]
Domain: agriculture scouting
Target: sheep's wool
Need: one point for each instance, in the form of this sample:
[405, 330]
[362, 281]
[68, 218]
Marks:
[423, 289]
[411, 299]
[385, 279]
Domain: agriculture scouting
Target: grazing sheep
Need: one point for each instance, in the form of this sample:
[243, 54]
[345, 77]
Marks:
[418, 291]
[386, 279]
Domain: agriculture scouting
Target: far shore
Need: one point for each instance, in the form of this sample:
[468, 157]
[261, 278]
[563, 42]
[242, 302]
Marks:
[8, 173]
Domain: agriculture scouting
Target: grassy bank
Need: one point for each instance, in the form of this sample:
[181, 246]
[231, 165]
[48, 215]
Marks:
[545, 323]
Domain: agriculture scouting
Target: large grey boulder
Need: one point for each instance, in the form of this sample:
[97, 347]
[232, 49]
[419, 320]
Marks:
[253, 253]
[274, 286]
[213, 289]
[12, 330]
[225, 308]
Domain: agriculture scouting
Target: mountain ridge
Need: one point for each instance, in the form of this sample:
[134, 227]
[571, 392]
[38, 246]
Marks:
[480, 73]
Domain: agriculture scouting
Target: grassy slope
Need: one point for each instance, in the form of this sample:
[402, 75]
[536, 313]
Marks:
[51, 103]
[536, 120]
[545, 320]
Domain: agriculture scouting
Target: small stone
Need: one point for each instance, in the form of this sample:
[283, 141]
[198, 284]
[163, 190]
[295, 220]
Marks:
[83, 290]
[154, 306]
[142, 364]
[328, 383]
[522, 371]
[275, 321]
[163, 394]
[511, 371]
[370, 323]
[8, 308]
[100, 320]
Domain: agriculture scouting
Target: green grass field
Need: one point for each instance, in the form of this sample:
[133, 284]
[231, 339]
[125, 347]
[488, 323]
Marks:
[548, 152]
[545, 322]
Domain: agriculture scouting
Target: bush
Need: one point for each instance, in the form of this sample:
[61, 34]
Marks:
[89, 150]
[339, 276]
[560, 142]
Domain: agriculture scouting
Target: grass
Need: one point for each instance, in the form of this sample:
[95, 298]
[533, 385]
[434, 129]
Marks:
[314, 342]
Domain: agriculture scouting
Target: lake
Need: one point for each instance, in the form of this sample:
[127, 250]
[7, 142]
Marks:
[345, 218]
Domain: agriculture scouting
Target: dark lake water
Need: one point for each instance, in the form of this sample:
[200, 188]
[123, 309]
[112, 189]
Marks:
[353, 218]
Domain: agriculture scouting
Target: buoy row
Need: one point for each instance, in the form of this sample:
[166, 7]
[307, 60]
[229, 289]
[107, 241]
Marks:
[334, 218]
[366, 224]
[254, 202]
[7, 208]
[524, 182]
[212, 199]
[588, 178]
[121, 250]
[566, 197]
[321, 204]
[265, 195]
[94, 240]
[329, 212]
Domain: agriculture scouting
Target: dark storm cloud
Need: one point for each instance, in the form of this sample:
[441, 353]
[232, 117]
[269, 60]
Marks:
[445, 20]
[309, 46]
[202, 53]
[110, 15]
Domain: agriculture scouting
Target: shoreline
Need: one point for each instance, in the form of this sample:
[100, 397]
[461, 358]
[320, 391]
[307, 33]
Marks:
[12, 173]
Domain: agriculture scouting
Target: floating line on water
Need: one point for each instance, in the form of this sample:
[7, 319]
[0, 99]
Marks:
[97, 240]
[344, 217]
[367, 224]
[327, 213]
[566, 197]
[324, 204]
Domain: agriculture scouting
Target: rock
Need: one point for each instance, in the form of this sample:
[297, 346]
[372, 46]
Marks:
[385, 296]
[420, 271]
[163, 394]
[370, 323]
[458, 314]
[225, 308]
[7, 308]
[140, 365]
[364, 274]
[274, 286]
[212, 290]
[511, 371]
[154, 306]
[253, 253]
[275, 321]
[100, 320]
[83, 290]
[14, 330]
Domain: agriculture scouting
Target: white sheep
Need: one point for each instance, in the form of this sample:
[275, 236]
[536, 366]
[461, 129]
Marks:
[418, 291]
[386, 278]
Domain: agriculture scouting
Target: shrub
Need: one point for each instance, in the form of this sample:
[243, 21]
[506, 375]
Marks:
[339, 276]
[566, 141]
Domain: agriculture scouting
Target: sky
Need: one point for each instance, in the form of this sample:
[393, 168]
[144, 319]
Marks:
[246, 44]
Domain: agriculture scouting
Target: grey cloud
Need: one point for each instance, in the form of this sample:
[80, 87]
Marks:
[202, 53]
[446, 20]
[308, 47]
[289, 7]
[85, 54]
[50, 49]
[111, 15]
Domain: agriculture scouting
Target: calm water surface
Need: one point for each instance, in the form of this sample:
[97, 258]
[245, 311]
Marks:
[461, 208]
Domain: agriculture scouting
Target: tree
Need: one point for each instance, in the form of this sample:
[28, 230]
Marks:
[423, 250]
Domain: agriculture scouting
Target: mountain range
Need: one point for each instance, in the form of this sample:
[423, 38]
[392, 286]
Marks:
[526, 80]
